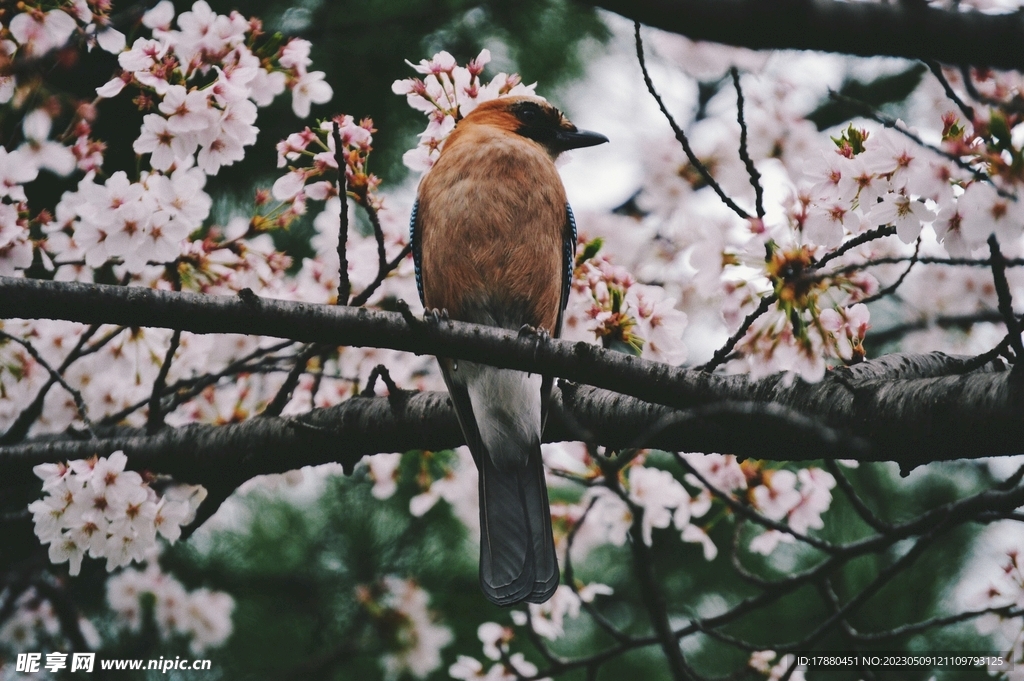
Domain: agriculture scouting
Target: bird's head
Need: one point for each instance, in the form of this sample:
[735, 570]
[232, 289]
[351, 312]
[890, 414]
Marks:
[535, 119]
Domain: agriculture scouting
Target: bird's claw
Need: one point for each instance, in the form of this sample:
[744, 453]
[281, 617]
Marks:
[540, 333]
[435, 316]
[527, 330]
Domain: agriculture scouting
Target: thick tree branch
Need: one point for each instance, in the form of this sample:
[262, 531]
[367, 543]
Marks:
[866, 29]
[912, 409]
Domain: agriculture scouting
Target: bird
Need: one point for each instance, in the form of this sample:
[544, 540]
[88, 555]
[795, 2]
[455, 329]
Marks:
[494, 242]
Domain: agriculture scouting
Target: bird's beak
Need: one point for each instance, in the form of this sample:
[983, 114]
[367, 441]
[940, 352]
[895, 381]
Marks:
[577, 139]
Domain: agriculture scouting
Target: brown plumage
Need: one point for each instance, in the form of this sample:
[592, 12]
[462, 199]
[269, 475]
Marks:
[493, 240]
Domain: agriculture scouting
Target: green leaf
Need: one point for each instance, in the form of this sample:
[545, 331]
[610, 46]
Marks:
[880, 91]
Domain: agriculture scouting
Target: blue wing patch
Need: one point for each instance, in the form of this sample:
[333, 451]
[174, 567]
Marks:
[568, 253]
[417, 255]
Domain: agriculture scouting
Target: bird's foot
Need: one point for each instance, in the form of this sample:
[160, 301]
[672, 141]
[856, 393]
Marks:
[435, 316]
[540, 333]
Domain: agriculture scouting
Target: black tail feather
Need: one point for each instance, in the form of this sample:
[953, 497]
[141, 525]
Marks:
[538, 511]
[507, 571]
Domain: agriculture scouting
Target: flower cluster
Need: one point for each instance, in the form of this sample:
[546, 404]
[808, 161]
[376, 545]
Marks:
[456, 484]
[448, 92]
[203, 616]
[952, 184]
[202, 84]
[1004, 589]
[96, 507]
[881, 177]
[796, 498]
[495, 639]
[171, 71]
[132, 223]
[319, 148]
[415, 638]
[21, 166]
[36, 32]
[665, 502]
[848, 328]
[606, 302]
[548, 619]
[761, 661]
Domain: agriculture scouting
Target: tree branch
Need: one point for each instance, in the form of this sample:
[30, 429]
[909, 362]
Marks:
[866, 29]
[912, 409]
[678, 131]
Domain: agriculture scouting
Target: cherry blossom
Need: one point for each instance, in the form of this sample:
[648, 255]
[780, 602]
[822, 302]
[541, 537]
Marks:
[417, 640]
[548, 619]
[96, 507]
[204, 616]
[309, 89]
[38, 34]
[446, 94]
[657, 492]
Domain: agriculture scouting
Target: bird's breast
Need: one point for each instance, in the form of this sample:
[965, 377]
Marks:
[492, 222]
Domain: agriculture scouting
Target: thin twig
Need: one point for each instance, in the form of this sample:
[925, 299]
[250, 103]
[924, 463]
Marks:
[859, 240]
[284, 394]
[570, 579]
[378, 233]
[318, 378]
[1005, 300]
[382, 274]
[19, 429]
[186, 389]
[965, 109]
[866, 514]
[83, 410]
[884, 576]
[651, 593]
[899, 282]
[680, 135]
[723, 352]
[755, 176]
[344, 285]
[155, 420]
[921, 260]
[962, 321]
[1006, 611]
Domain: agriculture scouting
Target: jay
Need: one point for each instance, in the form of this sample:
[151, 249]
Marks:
[494, 243]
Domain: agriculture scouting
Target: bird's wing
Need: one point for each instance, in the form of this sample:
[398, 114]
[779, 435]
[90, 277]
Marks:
[568, 263]
[417, 250]
[568, 266]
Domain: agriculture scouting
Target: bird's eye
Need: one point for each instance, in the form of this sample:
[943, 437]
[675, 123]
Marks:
[529, 113]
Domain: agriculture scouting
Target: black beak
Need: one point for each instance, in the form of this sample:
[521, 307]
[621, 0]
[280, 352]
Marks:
[577, 139]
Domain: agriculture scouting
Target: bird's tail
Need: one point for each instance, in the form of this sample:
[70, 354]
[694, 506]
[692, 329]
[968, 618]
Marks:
[517, 551]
